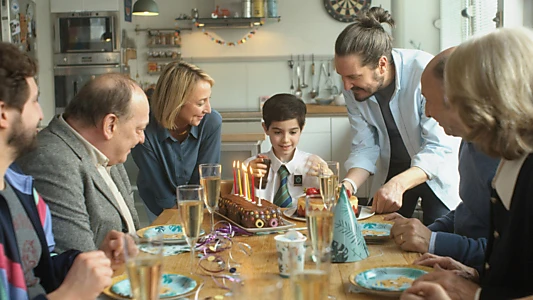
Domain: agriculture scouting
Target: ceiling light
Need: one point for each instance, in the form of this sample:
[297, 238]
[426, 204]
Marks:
[145, 8]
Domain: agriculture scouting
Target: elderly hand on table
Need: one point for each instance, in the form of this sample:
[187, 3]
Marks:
[449, 264]
[409, 234]
[113, 248]
[425, 290]
[456, 287]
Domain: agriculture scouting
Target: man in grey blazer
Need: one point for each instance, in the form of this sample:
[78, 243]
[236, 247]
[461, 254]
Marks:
[78, 163]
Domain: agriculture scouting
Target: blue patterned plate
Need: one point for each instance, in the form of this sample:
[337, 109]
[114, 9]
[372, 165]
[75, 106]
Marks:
[172, 285]
[170, 232]
[387, 281]
[390, 279]
[376, 231]
[168, 250]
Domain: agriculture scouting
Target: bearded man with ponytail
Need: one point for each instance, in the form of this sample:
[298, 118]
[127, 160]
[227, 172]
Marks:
[408, 153]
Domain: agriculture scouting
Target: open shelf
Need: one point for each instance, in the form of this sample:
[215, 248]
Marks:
[163, 59]
[234, 22]
[162, 46]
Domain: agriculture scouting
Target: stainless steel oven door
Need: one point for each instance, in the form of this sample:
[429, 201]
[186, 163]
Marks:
[85, 32]
[69, 80]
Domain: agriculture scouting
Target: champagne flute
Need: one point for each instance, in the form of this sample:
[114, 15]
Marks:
[258, 287]
[190, 207]
[144, 265]
[313, 282]
[319, 225]
[210, 180]
[328, 175]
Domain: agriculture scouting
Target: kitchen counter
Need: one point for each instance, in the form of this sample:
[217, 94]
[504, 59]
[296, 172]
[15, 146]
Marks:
[313, 110]
[243, 137]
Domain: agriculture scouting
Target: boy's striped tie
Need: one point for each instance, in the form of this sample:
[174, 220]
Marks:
[283, 198]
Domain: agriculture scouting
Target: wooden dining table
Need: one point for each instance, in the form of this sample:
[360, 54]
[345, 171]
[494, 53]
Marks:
[263, 260]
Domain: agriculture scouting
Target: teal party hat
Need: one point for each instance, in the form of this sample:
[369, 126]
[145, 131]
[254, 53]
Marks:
[348, 242]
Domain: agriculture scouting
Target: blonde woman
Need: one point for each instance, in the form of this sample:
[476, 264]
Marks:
[183, 133]
[489, 84]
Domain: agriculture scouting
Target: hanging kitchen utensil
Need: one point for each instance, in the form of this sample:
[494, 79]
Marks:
[291, 63]
[291, 66]
[335, 89]
[329, 83]
[298, 92]
[304, 85]
[313, 93]
[292, 84]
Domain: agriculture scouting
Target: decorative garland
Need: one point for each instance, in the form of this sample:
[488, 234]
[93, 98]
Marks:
[224, 43]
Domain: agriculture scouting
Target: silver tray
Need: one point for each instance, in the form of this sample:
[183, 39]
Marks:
[285, 224]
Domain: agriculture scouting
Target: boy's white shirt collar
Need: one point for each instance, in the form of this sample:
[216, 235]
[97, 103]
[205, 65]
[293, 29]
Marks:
[505, 179]
[294, 165]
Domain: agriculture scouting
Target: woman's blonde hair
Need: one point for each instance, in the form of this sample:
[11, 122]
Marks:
[174, 87]
[489, 80]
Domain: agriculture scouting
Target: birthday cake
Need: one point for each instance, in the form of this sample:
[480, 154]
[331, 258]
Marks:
[318, 204]
[248, 214]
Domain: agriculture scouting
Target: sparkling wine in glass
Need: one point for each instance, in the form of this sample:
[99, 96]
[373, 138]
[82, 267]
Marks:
[190, 207]
[144, 265]
[311, 283]
[319, 224]
[210, 177]
[328, 175]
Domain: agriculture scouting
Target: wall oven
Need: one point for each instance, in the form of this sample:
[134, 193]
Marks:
[69, 78]
[86, 45]
[86, 32]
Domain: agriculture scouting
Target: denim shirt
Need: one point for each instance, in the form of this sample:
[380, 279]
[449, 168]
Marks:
[164, 163]
[429, 147]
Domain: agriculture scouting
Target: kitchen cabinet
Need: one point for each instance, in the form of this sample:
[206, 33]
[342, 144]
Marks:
[315, 138]
[101, 5]
[341, 143]
[60, 6]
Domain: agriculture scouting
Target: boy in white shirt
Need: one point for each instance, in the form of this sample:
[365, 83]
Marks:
[291, 170]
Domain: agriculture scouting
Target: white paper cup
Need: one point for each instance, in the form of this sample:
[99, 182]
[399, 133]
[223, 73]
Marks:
[290, 254]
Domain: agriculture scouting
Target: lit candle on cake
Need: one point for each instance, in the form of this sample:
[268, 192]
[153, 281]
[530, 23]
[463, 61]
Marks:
[260, 185]
[252, 188]
[246, 186]
[239, 176]
[234, 179]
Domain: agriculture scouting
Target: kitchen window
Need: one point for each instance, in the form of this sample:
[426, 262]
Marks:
[462, 19]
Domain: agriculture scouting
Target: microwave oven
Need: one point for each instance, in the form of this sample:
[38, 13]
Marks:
[83, 32]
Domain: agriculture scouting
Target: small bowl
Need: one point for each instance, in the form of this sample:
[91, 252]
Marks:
[323, 101]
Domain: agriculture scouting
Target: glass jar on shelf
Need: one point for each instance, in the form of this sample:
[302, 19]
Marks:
[152, 67]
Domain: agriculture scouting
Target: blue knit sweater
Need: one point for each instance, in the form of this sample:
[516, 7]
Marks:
[462, 234]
